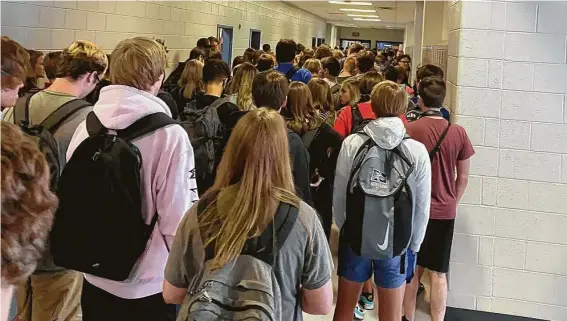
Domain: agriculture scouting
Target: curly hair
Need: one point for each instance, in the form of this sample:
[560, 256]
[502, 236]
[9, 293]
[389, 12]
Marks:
[28, 204]
[15, 63]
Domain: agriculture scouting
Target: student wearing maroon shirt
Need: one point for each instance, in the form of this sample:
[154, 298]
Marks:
[447, 188]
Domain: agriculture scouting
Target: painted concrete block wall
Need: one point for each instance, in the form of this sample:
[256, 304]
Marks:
[508, 87]
[53, 25]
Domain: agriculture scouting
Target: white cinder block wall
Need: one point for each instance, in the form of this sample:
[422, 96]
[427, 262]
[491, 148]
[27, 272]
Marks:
[508, 86]
[53, 25]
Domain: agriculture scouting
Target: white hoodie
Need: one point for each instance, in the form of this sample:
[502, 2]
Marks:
[168, 185]
[388, 133]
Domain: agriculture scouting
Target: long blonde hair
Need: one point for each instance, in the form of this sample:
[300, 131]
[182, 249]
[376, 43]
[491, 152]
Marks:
[323, 99]
[300, 113]
[256, 160]
[192, 78]
[242, 85]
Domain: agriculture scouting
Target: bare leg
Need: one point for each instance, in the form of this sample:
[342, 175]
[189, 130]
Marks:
[368, 287]
[347, 298]
[438, 295]
[410, 296]
[391, 301]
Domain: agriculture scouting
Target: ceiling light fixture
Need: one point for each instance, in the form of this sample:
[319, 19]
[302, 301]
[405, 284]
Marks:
[357, 10]
[352, 3]
[363, 15]
[364, 19]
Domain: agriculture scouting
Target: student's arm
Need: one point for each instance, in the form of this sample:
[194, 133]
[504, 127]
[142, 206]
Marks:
[422, 197]
[463, 167]
[173, 294]
[318, 301]
[184, 261]
[177, 185]
[463, 164]
[316, 284]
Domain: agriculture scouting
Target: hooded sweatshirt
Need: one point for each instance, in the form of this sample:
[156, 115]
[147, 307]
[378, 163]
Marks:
[168, 186]
[388, 133]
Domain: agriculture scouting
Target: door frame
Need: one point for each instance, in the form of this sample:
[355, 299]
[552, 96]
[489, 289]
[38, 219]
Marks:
[219, 35]
[250, 38]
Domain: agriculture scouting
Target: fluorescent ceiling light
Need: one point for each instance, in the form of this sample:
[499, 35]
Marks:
[352, 3]
[357, 10]
[363, 15]
[364, 19]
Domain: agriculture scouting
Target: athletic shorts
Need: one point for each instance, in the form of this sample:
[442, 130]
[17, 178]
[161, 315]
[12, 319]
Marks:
[386, 272]
[435, 251]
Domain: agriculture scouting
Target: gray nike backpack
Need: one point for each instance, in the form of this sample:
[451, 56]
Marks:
[245, 288]
[379, 210]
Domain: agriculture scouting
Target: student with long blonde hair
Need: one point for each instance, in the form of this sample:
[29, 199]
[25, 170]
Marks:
[240, 88]
[224, 231]
[322, 143]
[190, 85]
[323, 99]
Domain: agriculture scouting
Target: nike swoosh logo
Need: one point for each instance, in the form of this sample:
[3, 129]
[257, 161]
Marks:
[384, 245]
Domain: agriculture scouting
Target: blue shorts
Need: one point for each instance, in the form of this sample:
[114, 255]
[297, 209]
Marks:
[386, 272]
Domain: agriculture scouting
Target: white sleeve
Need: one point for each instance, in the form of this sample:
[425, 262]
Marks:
[178, 191]
[342, 175]
[422, 199]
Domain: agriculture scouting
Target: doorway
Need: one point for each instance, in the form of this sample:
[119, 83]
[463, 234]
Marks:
[255, 38]
[225, 34]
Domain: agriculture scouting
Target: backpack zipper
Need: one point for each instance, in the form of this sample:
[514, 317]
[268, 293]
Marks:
[205, 297]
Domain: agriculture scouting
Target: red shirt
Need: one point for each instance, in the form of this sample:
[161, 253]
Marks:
[343, 124]
[456, 147]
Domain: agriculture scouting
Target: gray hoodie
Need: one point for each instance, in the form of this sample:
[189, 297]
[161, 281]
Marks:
[388, 133]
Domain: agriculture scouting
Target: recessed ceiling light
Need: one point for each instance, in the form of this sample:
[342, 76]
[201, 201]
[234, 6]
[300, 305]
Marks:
[364, 19]
[352, 3]
[357, 10]
[363, 15]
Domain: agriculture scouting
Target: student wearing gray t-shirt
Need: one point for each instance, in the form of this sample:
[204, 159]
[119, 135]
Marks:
[253, 181]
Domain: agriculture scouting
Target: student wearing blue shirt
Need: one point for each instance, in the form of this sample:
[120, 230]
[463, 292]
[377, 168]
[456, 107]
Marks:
[285, 53]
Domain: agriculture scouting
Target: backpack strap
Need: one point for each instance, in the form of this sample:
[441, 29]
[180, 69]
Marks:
[437, 147]
[56, 118]
[356, 117]
[291, 72]
[21, 110]
[357, 161]
[285, 218]
[309, 137]
[146, 125]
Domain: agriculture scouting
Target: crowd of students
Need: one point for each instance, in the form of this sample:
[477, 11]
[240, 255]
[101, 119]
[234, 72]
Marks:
[212, 193]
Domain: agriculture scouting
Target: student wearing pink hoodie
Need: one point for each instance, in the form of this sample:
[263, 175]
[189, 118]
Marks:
[168, 184]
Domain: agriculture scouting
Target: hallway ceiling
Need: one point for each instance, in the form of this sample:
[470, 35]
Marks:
[393, 14]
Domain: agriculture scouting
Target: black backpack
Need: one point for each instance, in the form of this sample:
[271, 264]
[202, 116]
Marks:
[206, 133]
[43, 133]
[358, 122]
[98, 226]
